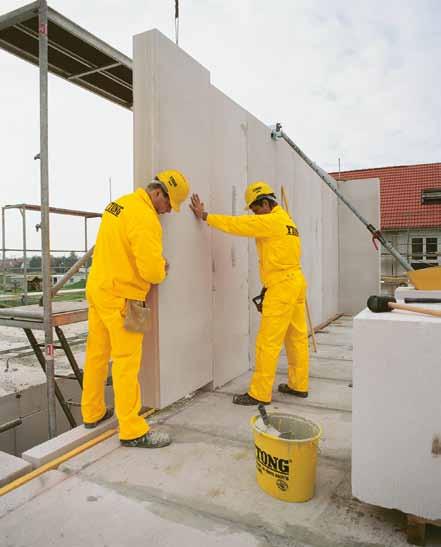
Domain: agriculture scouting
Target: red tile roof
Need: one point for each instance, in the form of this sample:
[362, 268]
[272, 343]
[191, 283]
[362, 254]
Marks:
[400, 194]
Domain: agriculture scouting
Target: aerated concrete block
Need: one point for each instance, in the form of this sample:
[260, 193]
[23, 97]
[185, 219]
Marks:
[396, 439]
[53, 448]
[12, 467]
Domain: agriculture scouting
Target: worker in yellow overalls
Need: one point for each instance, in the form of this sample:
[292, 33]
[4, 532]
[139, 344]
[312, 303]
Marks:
[283, 309]
[127, 260]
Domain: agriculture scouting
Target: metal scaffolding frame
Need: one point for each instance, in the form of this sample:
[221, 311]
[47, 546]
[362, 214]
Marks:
[45, 38]
[23, 207]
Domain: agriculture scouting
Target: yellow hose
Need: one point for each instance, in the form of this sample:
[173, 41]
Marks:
[61, 459]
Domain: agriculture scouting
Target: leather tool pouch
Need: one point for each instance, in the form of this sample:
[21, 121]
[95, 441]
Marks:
[138, 316]
[258, 300]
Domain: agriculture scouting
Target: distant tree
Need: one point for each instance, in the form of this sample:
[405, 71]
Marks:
[35, 262]
[70, 260]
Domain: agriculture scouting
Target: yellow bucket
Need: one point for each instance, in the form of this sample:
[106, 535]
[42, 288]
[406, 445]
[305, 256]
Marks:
[286, 467]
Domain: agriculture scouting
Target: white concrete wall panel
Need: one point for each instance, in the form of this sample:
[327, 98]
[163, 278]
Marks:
[330, 254]
[229, 253]
[181, 121]
[307, 211]
[172, 129]
[359, 261]
[260, 166]
[396, 409]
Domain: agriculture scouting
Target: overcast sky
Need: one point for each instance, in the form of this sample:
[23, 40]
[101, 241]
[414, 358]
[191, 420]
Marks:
[355, 80]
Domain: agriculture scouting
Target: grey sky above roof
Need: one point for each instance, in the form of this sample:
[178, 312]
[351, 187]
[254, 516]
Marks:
[354, 80]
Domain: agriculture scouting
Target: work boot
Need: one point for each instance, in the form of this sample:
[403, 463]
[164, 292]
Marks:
[246, 400]
[152, 439]
[108, 414]
[284, 388]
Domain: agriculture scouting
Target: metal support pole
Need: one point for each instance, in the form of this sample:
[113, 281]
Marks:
[86, 246]
[10, 425]
[57, 391]
[25, 257]
[4, 249]
[45, 234]
[70, 356]
[177, 21]
[277, 133]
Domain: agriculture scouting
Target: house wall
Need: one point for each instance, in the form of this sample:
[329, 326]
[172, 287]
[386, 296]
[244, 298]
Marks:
[392, 272]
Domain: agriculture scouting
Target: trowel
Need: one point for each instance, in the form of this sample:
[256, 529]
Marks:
[265, 418]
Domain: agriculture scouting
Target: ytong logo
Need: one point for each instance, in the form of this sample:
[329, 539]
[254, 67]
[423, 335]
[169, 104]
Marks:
[292, 231]
[273, 463]
[171, 181]
[114, 209]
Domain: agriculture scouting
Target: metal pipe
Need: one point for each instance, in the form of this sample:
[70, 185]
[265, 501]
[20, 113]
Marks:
[73, 270]
[331, 183]
[57, 391]
[93, 71]
[45, 233]
[75, 57]
[56, 210]
[70, 356]
[25, 257]
[10, 425]
[4, 249]
[52, 250]
[86, 244]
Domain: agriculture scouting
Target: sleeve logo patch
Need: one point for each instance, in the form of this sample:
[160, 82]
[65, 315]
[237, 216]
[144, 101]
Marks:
[292, 231]
[114, 209]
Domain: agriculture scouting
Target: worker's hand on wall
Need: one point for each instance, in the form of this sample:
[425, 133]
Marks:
[197, 207]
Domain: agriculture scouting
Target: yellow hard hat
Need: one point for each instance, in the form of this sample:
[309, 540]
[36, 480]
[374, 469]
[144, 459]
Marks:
[255, 190]
[176, 185]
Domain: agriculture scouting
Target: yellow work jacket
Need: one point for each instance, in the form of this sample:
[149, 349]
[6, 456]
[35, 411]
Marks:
[277, 241]
[128, 253]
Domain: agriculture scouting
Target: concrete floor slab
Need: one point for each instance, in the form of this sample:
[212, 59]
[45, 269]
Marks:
[28, 491]
[12, 467]
[345, 321]
[322, 393]
[333, 352]
[338, 329]
[330, 369]
[335, 338]
[97, 515]
[214, 414]
[202, 489]
[212, 475]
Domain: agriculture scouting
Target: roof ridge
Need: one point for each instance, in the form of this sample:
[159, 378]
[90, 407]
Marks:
[385, 167]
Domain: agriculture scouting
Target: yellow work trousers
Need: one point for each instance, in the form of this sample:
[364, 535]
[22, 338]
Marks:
[108, 338]
[283, 320]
